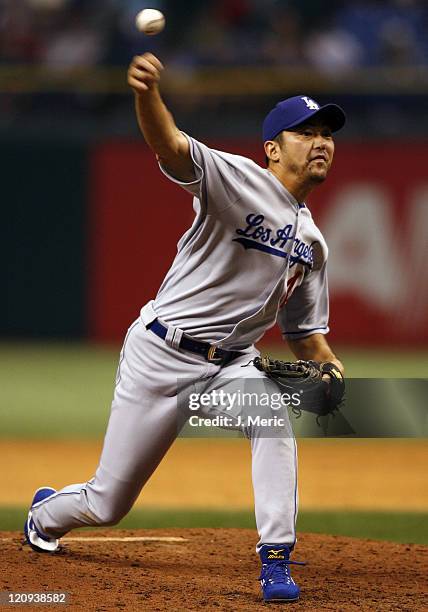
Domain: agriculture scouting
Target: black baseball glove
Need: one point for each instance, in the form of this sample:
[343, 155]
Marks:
[321, 385]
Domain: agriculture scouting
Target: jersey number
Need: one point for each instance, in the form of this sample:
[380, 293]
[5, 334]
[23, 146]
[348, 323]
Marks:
[290, 286]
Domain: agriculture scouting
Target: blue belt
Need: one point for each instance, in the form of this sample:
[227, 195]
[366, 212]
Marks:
[213, 354]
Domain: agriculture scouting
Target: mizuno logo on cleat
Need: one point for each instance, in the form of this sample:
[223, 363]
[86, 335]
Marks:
[275, 554]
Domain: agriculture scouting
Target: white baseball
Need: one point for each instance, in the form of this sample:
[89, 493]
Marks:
[150, 21]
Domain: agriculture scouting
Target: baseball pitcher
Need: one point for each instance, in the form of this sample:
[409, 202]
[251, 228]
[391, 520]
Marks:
[252, 257]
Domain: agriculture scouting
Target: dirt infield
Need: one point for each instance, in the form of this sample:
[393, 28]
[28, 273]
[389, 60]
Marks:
[214, 569]
[333, 474]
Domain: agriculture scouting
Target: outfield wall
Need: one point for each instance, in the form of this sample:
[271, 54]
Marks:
[91, 233]
[373, 211]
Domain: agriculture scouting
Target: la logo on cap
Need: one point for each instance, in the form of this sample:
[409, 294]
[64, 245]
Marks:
[311, 104]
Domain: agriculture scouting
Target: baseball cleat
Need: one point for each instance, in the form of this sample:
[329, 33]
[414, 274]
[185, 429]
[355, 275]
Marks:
[38, 541]
[275, 578]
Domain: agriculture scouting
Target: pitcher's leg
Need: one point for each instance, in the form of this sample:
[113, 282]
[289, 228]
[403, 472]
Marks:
[274, 452]
[142, 426]
[137, 439]
[274, 473]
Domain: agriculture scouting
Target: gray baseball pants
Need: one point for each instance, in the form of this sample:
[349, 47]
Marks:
[145, 420]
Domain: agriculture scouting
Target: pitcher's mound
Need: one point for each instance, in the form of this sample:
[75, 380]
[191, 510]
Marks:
[213, 569]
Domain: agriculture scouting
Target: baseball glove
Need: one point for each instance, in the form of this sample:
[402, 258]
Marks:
[321, 385]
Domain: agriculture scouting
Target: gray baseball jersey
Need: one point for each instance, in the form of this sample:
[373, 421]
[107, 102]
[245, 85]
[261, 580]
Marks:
[252, 256]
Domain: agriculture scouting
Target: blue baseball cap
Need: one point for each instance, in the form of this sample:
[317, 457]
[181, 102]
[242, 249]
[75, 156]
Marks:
[293, 111]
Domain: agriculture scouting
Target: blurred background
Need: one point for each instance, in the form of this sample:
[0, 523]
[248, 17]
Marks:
[90, 228]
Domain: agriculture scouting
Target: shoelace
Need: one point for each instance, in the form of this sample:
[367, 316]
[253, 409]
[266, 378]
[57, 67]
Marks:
[275, 571]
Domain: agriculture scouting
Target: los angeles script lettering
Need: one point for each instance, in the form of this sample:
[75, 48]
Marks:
[276, 238]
